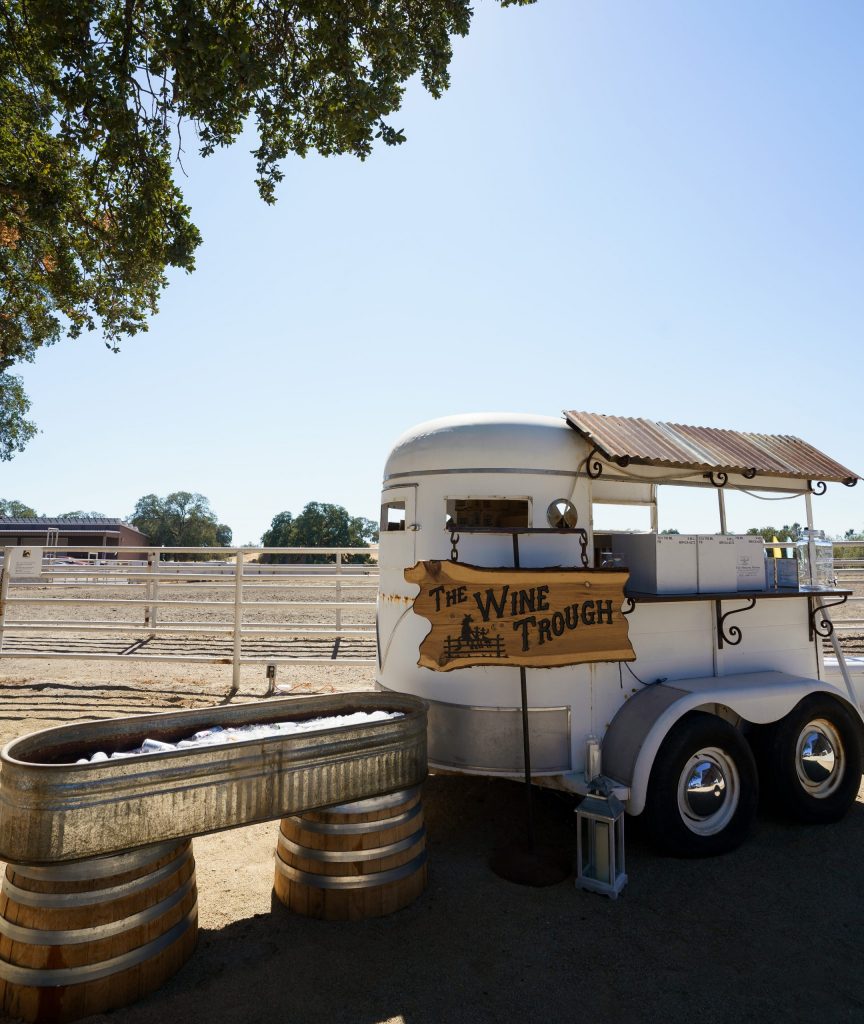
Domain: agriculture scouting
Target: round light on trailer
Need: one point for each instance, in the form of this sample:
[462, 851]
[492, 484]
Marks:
[562, 514]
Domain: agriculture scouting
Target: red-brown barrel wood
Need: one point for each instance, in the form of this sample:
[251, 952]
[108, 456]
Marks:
[96, 934]
[353, 861]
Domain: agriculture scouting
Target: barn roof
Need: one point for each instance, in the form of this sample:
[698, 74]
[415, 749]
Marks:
[644, 442]
[77, 524]
[76, 521]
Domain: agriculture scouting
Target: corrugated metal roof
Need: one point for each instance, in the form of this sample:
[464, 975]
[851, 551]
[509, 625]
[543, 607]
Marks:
[650, 443]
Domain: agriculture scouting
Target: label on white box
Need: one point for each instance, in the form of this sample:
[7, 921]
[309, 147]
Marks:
[750, 563]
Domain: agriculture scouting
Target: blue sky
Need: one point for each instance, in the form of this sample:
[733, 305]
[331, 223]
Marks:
[647, 209]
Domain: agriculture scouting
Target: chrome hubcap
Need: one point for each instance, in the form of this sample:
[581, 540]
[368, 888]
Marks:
[708, 791]
[820, 759]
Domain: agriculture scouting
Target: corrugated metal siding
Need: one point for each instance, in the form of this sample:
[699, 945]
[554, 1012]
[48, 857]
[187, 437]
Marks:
[650, 443]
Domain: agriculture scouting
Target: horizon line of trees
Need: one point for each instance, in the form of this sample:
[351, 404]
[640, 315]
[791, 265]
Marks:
[186, 519]
[18, 510]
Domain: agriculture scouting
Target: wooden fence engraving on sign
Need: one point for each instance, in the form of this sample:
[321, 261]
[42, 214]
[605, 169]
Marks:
[533, 617]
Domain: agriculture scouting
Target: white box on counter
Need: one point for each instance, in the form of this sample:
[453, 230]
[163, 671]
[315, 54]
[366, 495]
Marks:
[750, 567]
[659, 563]
[716, 563]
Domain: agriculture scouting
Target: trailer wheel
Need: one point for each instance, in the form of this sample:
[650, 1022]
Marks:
[703, 789]
[814, 761]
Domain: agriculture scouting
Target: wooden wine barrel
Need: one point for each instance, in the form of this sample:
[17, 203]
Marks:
[96, 934]
[353, 861]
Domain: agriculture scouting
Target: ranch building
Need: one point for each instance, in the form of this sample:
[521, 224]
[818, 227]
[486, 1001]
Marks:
[94, 532]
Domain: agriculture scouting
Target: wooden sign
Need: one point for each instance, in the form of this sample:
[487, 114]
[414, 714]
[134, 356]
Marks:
[534, 617]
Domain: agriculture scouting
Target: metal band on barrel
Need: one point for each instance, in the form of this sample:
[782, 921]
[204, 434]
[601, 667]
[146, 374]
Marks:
[356, 828]
[97, 867]
[352, 856]
[73, 936]
[29, 898]
[351, 881]
[38, 977]
[373, 803]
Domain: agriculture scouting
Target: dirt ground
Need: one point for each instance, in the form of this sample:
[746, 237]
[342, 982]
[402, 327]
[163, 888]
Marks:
[774, 931]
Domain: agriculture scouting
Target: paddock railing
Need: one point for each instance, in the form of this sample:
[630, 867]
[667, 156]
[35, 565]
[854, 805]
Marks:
[160, 606]
[847, 619]
[232, 609]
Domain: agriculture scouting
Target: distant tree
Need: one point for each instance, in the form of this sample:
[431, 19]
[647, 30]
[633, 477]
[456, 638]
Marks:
[319, 525]
[181, 519]
[81, 515]
[15, 429]
[11, 507]
[97, 99]
[669, 533]
[795, 531]
[850, 552]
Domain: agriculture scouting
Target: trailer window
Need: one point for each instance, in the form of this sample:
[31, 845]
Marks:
[392, 516]
[609, 518]
[491, 513]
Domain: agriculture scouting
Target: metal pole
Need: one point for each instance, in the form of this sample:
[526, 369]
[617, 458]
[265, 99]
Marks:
[811, 541]
[840, 655]
[721, 501]
[526, 739]
[238, 624]
[4, 591]
[338, 590]
[151, 587]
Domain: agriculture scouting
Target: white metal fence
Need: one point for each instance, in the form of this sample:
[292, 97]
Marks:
[231, 609]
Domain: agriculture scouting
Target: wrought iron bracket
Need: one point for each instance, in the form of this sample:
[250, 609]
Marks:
[733, 637]
[748, 474]
[593, 468]
[825, 627]
[719, 479]
[850, 481]
[817, 486]
[628, 607]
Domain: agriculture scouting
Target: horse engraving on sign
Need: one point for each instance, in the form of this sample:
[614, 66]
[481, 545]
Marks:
[543, 618]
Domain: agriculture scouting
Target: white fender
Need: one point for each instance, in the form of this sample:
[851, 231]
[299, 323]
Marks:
[635, 734]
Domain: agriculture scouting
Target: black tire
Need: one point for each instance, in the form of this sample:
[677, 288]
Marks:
[813, 761]
[692, 821]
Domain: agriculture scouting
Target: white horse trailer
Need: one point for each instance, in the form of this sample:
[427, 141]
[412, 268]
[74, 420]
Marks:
[727, 690]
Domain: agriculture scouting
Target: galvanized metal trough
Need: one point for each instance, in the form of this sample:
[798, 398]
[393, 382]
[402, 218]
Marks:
[53, 810]
[99, 900]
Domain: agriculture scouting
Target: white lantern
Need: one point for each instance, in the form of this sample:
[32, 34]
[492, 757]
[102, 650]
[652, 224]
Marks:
[600, 841]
